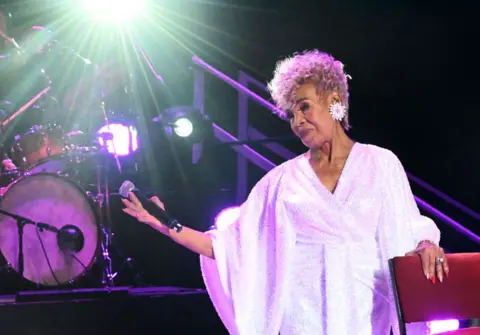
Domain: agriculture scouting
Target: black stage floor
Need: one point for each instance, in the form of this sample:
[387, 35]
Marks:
[121, 310]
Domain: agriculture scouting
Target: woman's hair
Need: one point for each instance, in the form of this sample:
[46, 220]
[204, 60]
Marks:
[315, 67]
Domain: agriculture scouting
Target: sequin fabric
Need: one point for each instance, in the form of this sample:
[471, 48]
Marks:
[301, 260]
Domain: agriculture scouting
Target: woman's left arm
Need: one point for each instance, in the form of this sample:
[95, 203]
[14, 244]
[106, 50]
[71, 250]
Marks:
[424, 232]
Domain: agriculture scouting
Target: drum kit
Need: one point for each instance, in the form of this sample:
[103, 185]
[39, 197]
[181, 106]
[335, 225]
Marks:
[52, 228]
[55, 223]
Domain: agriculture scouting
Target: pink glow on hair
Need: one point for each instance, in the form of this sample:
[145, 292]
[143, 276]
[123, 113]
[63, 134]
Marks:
[315, 67]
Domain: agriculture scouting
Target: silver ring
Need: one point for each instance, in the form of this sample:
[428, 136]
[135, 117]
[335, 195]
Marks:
[441, 260]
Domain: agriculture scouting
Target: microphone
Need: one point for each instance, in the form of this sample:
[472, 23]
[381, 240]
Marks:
[154, 210]
[70, 238]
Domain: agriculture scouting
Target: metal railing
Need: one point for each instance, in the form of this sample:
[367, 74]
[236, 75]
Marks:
[246, 153]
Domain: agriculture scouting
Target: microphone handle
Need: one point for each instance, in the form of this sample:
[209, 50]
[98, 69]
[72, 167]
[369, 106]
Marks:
[158, 212]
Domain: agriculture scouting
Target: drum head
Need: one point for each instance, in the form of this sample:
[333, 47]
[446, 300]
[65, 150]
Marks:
[57, 201]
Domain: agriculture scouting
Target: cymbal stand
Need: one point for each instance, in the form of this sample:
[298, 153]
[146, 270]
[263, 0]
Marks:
[104, 142]
[103, 197]
[102, 200]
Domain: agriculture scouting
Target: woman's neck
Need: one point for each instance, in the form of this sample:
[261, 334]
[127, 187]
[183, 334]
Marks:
[338, 148]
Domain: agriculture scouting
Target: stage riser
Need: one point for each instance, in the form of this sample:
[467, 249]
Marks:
[188, 314]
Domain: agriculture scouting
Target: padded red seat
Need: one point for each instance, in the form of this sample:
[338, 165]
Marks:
[419, 300]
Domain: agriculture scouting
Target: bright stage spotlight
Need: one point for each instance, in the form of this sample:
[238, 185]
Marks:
[118, 138]
[437, 327]
[226, 217]
[114, 10]
[183, 127]
[184, 122]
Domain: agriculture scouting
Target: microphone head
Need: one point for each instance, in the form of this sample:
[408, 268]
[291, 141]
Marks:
[126, 187]
[70, 238]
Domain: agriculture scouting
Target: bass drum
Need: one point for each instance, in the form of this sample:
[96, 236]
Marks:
[57, 201]
[8, 177]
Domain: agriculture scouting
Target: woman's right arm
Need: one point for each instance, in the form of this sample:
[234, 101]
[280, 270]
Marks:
[198, 242]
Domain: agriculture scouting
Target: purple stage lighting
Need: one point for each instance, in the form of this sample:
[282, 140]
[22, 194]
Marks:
[437, 327]
[118, 138]
[226, 217]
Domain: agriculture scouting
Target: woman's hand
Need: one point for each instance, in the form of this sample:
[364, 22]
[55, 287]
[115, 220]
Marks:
[135, 209]
[434, 262]
[193, 240]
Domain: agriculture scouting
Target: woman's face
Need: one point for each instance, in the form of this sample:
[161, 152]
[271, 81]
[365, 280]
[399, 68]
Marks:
[310, 117]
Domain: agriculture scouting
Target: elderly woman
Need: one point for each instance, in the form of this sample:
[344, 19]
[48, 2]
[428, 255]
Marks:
[309, 252]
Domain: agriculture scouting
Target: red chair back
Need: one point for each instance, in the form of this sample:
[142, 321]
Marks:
[418, 299]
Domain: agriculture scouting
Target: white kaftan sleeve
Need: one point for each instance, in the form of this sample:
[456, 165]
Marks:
[401, 225]
[403, 203]
[247, 280]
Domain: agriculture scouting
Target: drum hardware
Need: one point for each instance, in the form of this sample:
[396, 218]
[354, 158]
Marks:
[103, 202]
[48, 149]
[22, 109]
[60, 165]
[102, 199]
[64, 164]
[109, 240]
[49, 158]
[51, 259]
[69, 239]
[18, 148]
[108, 136]
[33, 165]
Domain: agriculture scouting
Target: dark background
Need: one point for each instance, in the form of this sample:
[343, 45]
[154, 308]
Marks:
[414, 91]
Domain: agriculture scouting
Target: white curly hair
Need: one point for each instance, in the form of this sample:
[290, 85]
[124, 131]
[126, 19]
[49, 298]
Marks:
[315, 67]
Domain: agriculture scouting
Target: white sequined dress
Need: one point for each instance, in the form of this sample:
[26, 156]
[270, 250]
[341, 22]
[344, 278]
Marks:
[301, 260]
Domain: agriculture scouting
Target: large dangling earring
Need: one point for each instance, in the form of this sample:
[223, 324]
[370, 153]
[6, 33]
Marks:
[337, 111]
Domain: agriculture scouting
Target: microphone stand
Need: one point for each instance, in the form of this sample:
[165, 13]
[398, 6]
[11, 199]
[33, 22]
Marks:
[103, 202]
[21, 223]
[104, 198]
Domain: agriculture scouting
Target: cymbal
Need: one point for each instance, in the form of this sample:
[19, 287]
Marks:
[75, 133]
[78, 138]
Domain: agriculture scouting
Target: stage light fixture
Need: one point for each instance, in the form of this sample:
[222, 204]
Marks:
[226, 217]
[118, 138]
[183, 127]
[184, 122]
